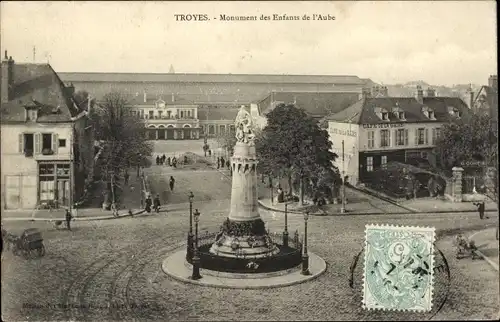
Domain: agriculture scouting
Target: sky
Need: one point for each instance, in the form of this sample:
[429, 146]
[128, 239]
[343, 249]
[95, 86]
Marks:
[442, 43]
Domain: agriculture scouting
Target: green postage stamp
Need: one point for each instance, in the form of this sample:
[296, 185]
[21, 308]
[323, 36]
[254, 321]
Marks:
[398, 271]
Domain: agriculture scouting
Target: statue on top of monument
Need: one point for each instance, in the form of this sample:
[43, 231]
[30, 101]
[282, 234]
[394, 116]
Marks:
[244, 126]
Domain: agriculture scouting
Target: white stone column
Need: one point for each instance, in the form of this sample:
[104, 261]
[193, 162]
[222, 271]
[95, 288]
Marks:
[156, 134]
[244, 206]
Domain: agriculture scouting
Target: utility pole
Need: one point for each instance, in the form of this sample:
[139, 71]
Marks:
[342, 209]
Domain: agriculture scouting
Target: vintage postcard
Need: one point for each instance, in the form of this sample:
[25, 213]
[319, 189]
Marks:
[249, 160]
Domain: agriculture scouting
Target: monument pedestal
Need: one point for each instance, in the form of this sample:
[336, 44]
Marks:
[243, 233]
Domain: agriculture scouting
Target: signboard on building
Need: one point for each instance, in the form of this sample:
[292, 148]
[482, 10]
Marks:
[343, 132]
[383, 126]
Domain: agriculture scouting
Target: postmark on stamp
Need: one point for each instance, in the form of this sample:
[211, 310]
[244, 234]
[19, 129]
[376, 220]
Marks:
[398, 271]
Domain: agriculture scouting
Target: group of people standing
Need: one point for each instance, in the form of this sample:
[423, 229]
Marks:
[221, 163]
[156, 203]
[171, 162]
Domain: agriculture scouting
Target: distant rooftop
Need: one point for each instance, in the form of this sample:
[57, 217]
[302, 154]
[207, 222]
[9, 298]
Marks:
[209, 78]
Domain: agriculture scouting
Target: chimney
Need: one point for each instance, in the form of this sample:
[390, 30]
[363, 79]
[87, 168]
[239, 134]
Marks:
[384, 91]
[365, 93]
[471, 97]
[431, 92]
[7, 78]
[420, 95]
[70, 89]
[493, 82]
[145, 97]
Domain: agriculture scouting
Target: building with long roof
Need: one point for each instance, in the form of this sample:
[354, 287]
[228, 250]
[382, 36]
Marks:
[378, 130]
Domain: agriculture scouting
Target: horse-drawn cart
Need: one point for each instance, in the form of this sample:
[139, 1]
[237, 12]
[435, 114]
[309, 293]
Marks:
[29, 244]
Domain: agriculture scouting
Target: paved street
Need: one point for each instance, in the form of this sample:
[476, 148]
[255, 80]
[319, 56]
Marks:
[111, 269]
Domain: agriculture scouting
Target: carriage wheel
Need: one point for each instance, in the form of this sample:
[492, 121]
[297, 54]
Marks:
[26, 254]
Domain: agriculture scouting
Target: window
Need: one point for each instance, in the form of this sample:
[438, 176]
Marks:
[151, 114]
[169, 114]
[385, 116]
[159, 114]
[401, 115]
[401, 138]
[424, 155]
[47, 181]
[385, 138]
[383, 160]
[371, 139]
[62, 143]
[431, 115]
[369, 164]
[46, 142]
[142, 114]
[420, 136]
[182, 114]
[211, 129]
[134, 113]
[28, 144]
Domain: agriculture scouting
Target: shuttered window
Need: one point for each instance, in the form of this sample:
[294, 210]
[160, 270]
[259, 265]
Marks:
[21, 143]
[406, 137]
[55, 142]
[426, 136]
[38, 143]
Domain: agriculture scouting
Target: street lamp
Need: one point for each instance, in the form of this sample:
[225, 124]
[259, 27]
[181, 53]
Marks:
[196, 259]
[190, 233]
[342, 209]
[285, 232]
[305, 256]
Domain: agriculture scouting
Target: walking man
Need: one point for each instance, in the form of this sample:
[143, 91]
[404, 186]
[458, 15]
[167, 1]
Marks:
[68, 219]
[148, 203]
[126, 177]
[169, 162]
[222, 163]
[172, 182]
[174, 162]
[228, 164]
[156, 203]
[218, 162]
[480, 209]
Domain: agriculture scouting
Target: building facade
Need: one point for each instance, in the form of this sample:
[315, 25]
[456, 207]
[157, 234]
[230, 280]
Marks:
[46, 141]
[486, 100]
[384, 129]
[167, 118]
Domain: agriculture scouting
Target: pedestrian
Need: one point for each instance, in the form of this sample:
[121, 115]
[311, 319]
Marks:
[172, 182]
[174, 162]
[126, 177]
[68, 219]
[156, 203]
[480, 209]
[163, 158]
[185, 159]
[148, 203]
[209, 153]
[157, 160]
[228, 164]
[222, 162]
[169, 161]
[218, 162]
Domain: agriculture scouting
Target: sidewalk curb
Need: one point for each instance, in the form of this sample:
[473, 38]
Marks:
[83, 218]
[370, 213]
[486, 258]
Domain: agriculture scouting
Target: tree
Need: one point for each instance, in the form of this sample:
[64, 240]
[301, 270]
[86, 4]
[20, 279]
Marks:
[124, 137]
[474, 139]
[227, 141]
[292, 145]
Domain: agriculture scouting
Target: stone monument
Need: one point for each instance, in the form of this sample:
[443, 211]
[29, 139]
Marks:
[243, 234]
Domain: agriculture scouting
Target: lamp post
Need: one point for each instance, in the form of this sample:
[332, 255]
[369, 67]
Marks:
[196, 259]
[285, 232]
[305, 256]
[190, 233]
[342, 209]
